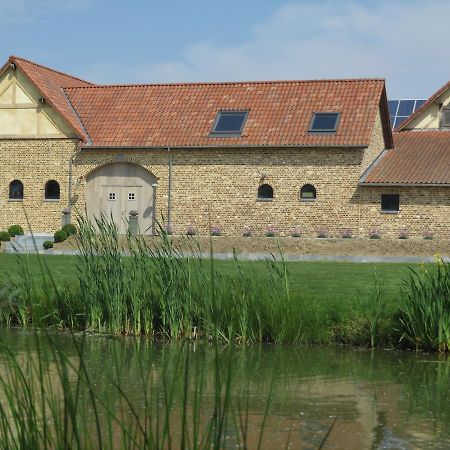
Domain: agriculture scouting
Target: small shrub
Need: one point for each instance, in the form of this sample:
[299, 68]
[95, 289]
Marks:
[427, 234]
[403, 234]
[4, 236]
[47, 245]
[296, 232]
[191, 231]
[60, 236]
[271, 231]
[346, 233]
[374, 233]
[70, 229]
[15, 230]
[247, 231]
[322, 233]
[216, 230]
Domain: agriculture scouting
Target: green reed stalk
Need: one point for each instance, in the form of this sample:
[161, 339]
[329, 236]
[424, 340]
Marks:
[425, 308]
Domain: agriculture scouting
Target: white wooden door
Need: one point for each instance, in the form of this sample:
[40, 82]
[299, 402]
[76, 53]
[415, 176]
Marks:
[118, 189]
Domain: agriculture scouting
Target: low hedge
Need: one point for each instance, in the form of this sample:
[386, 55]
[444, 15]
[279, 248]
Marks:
[60, 236]
[47, 245]
[70, 229]
[15, 230]
[4, 236]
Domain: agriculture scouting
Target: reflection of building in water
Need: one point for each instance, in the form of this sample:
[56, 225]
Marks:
[310, 389]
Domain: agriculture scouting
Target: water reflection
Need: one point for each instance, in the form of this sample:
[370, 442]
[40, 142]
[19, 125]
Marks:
[394, 400]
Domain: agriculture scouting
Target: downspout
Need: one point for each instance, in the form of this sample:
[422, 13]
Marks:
[69, 201]
[169, 195]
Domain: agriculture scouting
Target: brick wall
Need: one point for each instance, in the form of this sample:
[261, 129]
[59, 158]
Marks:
[34, 162]
[420, 208]
[219, 186]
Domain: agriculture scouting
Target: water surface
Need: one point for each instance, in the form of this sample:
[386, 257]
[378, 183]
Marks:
[377, 400]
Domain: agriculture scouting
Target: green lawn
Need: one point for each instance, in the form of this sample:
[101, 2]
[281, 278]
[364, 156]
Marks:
[315, 280]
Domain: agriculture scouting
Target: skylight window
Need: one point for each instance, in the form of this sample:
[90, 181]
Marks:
[325, 122]
[229, 123]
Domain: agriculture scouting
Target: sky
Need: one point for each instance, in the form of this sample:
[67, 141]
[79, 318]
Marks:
[146, 41]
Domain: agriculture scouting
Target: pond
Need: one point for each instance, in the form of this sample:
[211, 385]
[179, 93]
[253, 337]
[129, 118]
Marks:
[361, 399]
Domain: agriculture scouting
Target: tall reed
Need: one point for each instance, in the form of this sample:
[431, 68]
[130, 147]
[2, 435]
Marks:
[51, 399]
[425, 308]
[162, 290]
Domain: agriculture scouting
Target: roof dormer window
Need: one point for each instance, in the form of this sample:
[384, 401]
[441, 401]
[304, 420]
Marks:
[324, 122]
[229, 123]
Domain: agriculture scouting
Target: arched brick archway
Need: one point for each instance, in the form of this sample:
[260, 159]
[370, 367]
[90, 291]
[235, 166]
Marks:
[116, 189]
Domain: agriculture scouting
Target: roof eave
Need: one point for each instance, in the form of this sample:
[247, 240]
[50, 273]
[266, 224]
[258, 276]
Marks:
[403, 184]
[184, 147]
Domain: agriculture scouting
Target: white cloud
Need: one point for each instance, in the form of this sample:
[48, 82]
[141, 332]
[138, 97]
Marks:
[403, 41]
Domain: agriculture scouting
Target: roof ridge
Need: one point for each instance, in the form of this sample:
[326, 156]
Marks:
[13, 57]
[221, 83]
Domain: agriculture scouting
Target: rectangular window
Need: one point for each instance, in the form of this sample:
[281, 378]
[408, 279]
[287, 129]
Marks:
[229, 123]
[390, 203]
[131, 196]
[326, 122]
[112, 196]
[445, 117]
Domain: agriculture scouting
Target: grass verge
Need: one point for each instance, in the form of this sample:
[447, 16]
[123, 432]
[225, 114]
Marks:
[157, 291]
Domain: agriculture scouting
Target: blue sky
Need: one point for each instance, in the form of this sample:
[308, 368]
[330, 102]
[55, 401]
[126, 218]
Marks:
[137, 41]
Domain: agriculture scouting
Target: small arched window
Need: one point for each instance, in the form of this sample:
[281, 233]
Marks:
[16, 190]
[265, 192]
[308, 192]
[52, 190]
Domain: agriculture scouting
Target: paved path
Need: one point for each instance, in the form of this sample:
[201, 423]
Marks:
[264, 256]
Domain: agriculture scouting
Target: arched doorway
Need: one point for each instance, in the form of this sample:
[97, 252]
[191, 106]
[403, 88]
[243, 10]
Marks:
[118, 188]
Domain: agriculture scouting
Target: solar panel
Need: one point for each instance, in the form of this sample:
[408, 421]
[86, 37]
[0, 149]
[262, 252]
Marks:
[400, 110]
[393, 105]
[405, 107]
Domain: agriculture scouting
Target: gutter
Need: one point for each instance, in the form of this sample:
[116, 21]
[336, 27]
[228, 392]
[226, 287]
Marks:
[207, 147]
[394, 185]
[77, 152]
[71, 161]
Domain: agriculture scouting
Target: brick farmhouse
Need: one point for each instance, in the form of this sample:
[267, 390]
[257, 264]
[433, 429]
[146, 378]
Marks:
[315, 155]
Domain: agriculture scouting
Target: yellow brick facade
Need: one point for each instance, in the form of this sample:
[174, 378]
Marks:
[421, 208]
[219, 187]
[34, 162]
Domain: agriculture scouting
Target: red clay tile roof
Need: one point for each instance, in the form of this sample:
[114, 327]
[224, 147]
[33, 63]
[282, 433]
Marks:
[181, 115]
[50, 83]
[419, 157]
